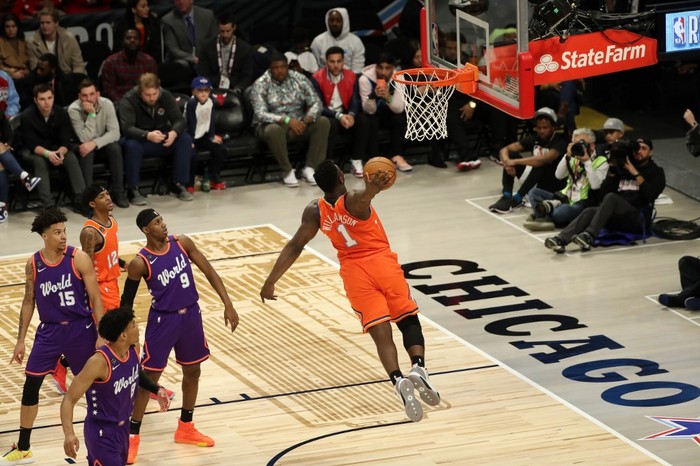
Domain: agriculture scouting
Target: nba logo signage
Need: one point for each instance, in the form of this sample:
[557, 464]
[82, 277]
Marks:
[683, 31]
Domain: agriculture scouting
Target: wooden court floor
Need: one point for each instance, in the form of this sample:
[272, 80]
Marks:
[298, 383]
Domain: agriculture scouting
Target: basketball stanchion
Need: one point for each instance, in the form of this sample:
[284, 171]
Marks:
[426, 92]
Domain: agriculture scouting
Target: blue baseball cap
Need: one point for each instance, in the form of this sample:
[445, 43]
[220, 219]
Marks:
[201, 82]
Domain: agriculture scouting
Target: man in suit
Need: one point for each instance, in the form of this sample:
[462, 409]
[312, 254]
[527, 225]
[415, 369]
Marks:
[185, 29]
[227, 60]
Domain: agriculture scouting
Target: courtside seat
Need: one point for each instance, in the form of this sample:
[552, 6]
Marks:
[232, 123]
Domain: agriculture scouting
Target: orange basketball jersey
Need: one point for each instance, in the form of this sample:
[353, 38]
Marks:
[351, 237]
[106, 259]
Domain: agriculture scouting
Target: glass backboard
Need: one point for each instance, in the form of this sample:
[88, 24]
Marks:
[490, 34]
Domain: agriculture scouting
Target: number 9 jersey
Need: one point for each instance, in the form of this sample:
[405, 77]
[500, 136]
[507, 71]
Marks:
[170, 280]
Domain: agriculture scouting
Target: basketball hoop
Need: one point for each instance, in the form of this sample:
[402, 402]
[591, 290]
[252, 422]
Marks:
[426, 92]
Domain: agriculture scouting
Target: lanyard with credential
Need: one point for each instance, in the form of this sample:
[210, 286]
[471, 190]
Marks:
[230, 57]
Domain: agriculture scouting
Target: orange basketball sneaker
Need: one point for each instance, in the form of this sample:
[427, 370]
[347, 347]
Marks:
[186, 433]
[134, 440]
[59, 378]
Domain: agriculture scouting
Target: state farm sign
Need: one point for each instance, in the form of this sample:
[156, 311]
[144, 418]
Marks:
[590, 54]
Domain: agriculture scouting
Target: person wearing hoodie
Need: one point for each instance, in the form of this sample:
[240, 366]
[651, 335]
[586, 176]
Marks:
[338, 34]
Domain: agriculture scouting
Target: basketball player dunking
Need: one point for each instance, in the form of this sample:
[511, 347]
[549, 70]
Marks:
[109, 381]
[174, 320]
[373, 279]
[59, 280]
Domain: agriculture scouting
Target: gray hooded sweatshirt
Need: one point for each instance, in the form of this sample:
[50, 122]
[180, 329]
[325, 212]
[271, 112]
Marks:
[351, 44]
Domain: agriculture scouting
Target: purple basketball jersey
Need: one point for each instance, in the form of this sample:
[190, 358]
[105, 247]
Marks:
[170, 280]
[112, 400]
[59, 290]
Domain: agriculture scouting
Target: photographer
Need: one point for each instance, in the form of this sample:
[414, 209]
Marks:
[633, 183]
[584, 172]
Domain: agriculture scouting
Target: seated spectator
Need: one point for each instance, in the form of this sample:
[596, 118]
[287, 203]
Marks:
[338, 34]
[384, 106]
[633, 183]
[94, 121]
[51, 38]
[547, 147]
[8, 163]
[152, 126]
[300, 51]
[9, 98]
[692, 137]
[689, 296]
[584, 171]
[199, 115]
[185, 31]
[286, 107]
[13, 47]
[337, 88]
[48, 72]
[226, 59]
[121, 71]
[46, 134]
[137, 15]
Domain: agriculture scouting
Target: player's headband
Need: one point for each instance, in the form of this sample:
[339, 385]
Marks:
[145, 217]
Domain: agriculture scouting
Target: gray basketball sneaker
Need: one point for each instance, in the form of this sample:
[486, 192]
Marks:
[404, 390]
[421, 382]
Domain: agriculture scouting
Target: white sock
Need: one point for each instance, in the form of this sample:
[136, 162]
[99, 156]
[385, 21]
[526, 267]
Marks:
[23, 175]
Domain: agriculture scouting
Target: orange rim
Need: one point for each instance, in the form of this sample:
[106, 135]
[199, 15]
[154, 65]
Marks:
[444, 77]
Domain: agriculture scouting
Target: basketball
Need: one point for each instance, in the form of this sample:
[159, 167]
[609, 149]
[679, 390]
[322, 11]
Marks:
[376, 164]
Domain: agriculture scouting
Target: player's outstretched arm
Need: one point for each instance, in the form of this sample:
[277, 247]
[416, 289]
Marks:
[357, 202]
[196, 256]
[290, 253]
[95, 369]
[25, 313]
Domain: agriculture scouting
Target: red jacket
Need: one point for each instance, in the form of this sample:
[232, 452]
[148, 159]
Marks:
[345, 86]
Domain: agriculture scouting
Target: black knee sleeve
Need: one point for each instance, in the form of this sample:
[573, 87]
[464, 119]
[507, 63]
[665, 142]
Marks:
[411, 330]
[30, 393]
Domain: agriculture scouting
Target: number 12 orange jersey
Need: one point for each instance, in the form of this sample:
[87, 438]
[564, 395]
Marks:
[351, 237]
[106, 258]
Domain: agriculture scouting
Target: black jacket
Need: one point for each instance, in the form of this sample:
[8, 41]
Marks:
[241, 75]
[643, 198]
[136, 119]
[51, 134]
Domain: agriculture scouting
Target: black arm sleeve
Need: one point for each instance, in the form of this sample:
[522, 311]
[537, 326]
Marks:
[122, 262]
[130, 288]
[147, 384]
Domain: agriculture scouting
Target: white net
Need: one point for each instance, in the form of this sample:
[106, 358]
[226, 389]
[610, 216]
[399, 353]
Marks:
[425, 104]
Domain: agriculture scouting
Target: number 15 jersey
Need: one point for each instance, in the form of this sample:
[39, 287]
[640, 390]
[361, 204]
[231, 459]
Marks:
[351, 237]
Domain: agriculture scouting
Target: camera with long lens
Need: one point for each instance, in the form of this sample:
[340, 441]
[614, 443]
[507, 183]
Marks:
[547, 207]
[579, 148]
[620, 151]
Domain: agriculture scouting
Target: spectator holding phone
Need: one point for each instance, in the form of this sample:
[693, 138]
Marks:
[153, 126]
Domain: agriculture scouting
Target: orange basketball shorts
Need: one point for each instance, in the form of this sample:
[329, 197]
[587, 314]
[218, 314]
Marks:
[109, 292]
[377, 289]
